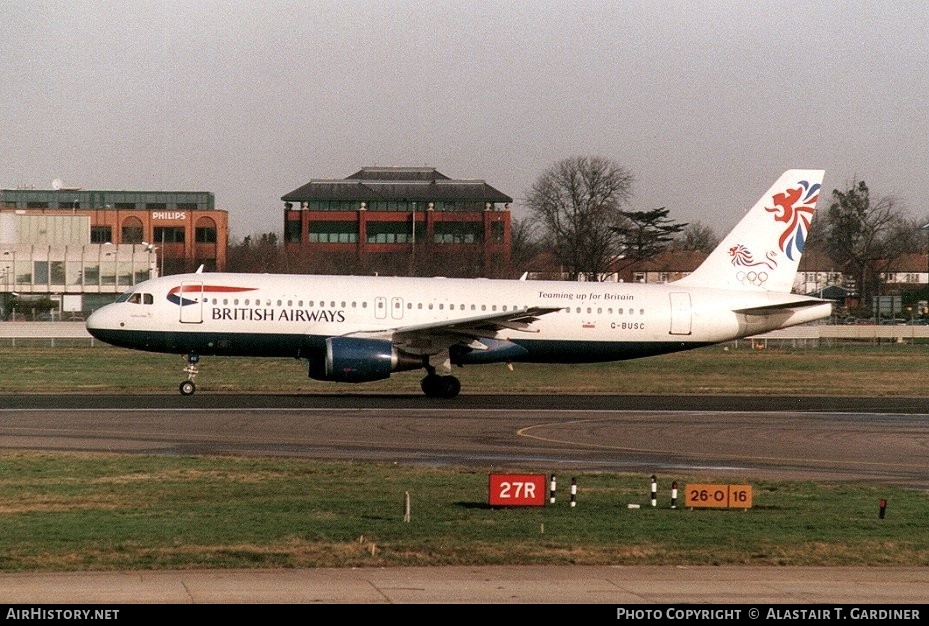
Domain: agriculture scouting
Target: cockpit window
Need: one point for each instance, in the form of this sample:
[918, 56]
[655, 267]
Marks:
[124, 296]
[136, 298]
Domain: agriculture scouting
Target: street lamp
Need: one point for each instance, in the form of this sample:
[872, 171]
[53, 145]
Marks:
[153, 265]
[926, 228]
[5, 272]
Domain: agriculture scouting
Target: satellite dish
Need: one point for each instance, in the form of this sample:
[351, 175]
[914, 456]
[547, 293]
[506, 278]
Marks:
[56, 184]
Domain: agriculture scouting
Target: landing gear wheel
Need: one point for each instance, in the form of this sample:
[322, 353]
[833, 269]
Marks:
[188, 387]
[450, 386]
[436, 386]
[430, 385]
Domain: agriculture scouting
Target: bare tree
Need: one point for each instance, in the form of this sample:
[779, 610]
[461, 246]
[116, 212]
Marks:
[577, 202]
[524, 245]
[696, 236]
[263, 254]
[866, 237]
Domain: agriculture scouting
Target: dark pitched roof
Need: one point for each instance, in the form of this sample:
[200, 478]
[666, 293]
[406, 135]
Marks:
[396, 183]
[398, 173]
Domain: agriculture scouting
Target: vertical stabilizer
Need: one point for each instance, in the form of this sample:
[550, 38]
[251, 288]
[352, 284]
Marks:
[763, 250]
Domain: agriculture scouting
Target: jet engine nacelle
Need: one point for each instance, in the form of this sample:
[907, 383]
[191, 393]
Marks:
[358, 360]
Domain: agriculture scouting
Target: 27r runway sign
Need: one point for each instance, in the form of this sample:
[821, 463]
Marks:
[516, 490]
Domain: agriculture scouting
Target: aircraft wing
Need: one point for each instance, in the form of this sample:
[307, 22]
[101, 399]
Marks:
[465, 330]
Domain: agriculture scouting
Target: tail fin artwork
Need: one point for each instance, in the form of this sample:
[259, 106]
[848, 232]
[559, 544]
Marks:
[763, 250]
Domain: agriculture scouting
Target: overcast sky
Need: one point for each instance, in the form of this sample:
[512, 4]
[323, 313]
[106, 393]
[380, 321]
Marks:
[706, 103]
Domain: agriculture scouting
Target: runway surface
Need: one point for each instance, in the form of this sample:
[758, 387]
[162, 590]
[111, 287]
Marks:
[883, 441]
[874, 440]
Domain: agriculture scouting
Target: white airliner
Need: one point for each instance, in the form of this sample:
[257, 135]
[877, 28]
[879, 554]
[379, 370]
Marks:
[364, 328]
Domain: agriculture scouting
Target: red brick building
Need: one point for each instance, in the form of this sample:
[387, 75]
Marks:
[401, 220]
[184, 227]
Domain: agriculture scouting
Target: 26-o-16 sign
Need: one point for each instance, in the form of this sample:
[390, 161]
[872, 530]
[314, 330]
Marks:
[517, 490]
[718, 496]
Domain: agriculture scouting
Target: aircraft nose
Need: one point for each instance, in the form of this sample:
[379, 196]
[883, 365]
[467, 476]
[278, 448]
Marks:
[93, 320]
[100, 321]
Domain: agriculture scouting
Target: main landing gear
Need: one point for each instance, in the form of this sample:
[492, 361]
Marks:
[436, 386]
[188, 387]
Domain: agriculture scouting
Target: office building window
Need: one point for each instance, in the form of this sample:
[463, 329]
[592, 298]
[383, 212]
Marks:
[131, 231]
[169, 234]
[293, 231]
[101, 234]
[458, 232]
[333, 232]
[205, 234]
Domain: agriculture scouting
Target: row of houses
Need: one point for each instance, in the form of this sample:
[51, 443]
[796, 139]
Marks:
[817, 276]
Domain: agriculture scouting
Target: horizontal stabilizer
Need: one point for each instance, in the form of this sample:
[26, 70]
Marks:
[775, 308]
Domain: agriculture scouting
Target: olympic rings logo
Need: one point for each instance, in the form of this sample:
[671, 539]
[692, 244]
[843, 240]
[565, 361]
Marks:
[752, 278]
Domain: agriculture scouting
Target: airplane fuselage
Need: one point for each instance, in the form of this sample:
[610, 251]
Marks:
[293, 315]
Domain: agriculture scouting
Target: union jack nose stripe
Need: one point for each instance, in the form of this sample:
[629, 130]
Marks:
[175, 295]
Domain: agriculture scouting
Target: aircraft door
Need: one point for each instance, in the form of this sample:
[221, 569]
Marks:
[191, 302]
[396, 308]
[680, 313]
[380, 308]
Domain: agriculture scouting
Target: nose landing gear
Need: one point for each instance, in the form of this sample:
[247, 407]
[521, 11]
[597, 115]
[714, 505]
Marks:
[188, 387]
